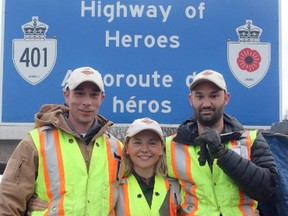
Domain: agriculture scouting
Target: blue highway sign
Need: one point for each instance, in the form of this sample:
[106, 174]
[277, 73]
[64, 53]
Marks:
[147, 53]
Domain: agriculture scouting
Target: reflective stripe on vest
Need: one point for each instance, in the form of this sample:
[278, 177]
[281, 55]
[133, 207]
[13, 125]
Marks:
[63, 180]
[205, 192]
[175, 198]
[132, 202]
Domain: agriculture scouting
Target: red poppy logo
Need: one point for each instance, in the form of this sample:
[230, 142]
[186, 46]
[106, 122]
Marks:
[249, 59]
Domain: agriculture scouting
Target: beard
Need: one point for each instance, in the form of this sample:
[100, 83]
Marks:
[209, 120]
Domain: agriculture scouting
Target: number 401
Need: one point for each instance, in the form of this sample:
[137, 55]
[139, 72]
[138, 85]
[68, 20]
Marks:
[34, 57]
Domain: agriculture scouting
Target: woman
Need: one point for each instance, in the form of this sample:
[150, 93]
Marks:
[145, 189]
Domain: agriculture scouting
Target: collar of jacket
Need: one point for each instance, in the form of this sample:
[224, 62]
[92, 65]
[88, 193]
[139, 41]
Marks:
[99, 127]
[188, 131]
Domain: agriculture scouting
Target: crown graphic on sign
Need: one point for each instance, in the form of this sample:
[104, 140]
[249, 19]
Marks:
[34, 29]
[249, 32]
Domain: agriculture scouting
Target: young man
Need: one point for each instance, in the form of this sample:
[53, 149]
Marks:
[222, 168]
[69, 159]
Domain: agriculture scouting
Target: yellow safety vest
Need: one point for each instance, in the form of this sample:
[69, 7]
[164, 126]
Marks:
[63, 180]
[204, 192]
[132, 201]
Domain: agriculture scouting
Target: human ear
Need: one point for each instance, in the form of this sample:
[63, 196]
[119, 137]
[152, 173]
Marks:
[125, 148]
[190, 98]
[66, 97]
[227, 98]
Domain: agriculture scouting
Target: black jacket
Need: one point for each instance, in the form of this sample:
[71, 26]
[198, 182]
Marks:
[257, 177]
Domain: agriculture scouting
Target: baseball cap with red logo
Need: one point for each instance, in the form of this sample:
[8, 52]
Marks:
[144, 124]
[211, 76]
[84, 74]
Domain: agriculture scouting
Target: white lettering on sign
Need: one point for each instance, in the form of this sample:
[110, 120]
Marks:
[111, 11]
[140, 106]
[141, 80]
[120, 10]
[191, 11]
[135, 41]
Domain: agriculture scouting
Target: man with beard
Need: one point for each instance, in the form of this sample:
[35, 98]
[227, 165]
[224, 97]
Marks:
[223, 169]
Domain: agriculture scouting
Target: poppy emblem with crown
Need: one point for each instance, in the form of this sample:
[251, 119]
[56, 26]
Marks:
[248, 58]
[34, 56]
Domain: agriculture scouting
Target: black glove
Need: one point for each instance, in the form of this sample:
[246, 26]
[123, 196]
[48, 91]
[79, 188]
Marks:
[211, 138]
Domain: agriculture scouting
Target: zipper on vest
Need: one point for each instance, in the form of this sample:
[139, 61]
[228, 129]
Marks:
[214, 185]
[118, 169]
[210, 163]
[87, 158]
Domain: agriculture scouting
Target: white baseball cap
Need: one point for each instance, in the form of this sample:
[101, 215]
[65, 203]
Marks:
[84, 74]
[211, 76]
[144, 124]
